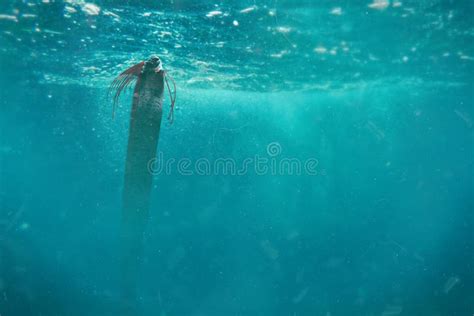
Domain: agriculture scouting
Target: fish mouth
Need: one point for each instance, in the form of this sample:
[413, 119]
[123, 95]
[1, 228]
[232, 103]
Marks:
[153, 64]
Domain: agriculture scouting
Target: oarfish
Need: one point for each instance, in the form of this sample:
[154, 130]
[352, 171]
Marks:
[145, 122]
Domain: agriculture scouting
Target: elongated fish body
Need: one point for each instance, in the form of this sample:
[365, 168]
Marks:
[144, 132]
[145, 122]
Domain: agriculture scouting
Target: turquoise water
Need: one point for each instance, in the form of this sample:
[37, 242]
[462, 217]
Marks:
[377, 95]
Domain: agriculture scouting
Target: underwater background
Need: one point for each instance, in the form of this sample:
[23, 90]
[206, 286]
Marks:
[377, 93]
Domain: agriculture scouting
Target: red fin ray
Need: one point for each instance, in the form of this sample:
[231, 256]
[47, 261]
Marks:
[172, 97]
[123, 81]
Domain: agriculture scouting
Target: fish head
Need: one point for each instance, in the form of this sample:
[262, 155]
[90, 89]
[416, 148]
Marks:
[153, 64]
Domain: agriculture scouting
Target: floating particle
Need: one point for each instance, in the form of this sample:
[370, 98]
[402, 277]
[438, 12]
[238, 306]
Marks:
[298, 298]
[465, 117]
[466, 57]
[28, 16]
[418, 257]
[213, 13]
[376, 130]
[379, 4]
[24, 226]
[249, 9]
[336, 11]
[396, 4]
[405, 59]
[91, 69]
[373, 58]
[110, 13]
[91, 9]
[164, 33]
[235, 23]
[70, 9]
[8, 17]
[410, 10]
[450, 283]
[321, 50]
[283, 29]
[279, 55]
[52, 32]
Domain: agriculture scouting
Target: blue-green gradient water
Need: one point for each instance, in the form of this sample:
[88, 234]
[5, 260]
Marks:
[377, 93]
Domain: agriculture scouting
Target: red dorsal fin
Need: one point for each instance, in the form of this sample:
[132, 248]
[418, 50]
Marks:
[124, 80]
